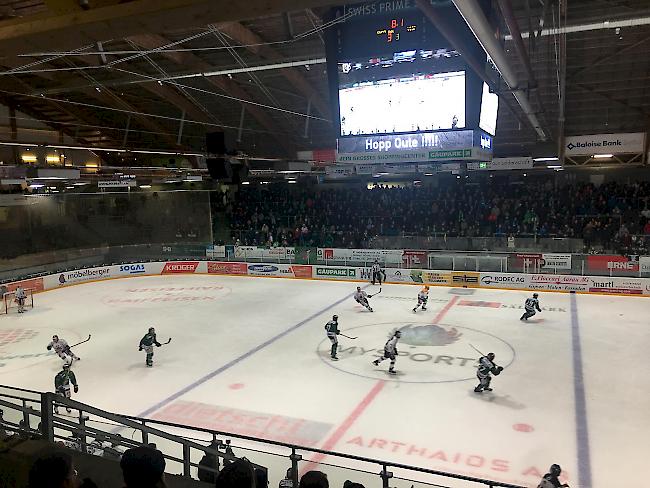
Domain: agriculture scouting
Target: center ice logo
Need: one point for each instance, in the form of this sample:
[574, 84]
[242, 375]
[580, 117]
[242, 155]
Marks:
[427, 353]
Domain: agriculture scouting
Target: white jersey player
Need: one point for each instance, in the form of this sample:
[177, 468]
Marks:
[532, 307]
[486, 365]
[62, 348]
[21, 296]
[332, 330]
[361, 297]
[423, 297]
[390, 352]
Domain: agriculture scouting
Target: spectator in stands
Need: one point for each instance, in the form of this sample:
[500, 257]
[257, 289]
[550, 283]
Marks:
[143, 467]
[53, 469]
[209, 460]
[314, 479]
[287, 482]
[239, 474]
[551, 479]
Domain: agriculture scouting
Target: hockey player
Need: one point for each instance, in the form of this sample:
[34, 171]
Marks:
[62, 348]
[377, 273]
[21, 296]
[390, 352]
[551, 480]
[486, 366]
[362, 298]
[147, 343]
[423, 296]
[532, 307]
[62, 382]
[332, 329]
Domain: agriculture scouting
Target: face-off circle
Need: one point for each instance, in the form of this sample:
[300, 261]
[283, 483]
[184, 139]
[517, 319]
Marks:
[166, 296]
[427, 353]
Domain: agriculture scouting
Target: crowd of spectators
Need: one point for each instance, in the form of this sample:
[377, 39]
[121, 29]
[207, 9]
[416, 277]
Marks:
[610, 215]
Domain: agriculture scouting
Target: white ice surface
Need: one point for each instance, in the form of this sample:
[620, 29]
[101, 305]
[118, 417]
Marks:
[426, 416]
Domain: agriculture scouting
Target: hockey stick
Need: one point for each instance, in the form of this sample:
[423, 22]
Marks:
[476, 350]
[80, 342]
[349, 337]
[168, 341]
[370, 296]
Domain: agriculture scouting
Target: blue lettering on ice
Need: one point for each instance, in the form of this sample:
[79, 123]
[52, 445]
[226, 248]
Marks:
[132, 268]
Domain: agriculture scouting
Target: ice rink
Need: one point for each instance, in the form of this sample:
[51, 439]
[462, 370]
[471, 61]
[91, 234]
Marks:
[244, 350]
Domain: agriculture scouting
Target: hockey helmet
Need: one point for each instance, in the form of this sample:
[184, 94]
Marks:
[66, 365]
[426, 287]
[555, 469]
[358, 288]
[535, 295]
[151, 329]
[335, 317]
[398, 333]
[490, 356]
[55, 337]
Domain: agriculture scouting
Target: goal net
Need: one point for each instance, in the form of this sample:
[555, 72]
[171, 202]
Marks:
[9, 303]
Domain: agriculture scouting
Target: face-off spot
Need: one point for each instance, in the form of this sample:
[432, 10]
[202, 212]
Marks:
[236, 386]
[523, 427]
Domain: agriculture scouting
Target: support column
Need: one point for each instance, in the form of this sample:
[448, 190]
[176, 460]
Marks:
[126, 132]
[241, 124]
[180, 129]
[306, 135]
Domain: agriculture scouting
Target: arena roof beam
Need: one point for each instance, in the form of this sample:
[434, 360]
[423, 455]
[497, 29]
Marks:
[475, 19]
[75, 27]
[226, 85]
[255, 44]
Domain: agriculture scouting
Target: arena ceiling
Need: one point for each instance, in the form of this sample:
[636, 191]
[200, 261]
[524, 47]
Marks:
[129, 74]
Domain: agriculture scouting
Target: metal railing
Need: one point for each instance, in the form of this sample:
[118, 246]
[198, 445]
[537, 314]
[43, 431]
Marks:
[91, 430]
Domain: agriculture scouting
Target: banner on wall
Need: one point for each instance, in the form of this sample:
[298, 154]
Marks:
[334, 273]
[504, 280]
[254, 252]
[558, 282]
[364, 255]
[625, 286]
[644, 264]
[414, 259]
[603, 262]
[227, 268]
[543, 260]
[215, 252]
[174, 267]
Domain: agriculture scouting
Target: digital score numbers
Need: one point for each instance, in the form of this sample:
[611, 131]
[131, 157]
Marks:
[396, 29]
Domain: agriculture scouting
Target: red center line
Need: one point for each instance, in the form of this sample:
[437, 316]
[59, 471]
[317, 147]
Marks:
[359, 409]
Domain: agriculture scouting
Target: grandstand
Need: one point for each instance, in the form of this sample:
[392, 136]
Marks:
[486, 161]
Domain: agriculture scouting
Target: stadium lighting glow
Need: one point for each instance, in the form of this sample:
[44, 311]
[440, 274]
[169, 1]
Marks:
[144, 187]
[541, 160]
[52, 159]
[36, 186]
[553, 166]
[29, 158]
[603, 156]
[245, 182]
[292, 182]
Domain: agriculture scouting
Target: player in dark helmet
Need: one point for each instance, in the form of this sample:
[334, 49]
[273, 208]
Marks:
[486, 365]
[332, 330]
[147, 343]
[551, 479]
[532, 307]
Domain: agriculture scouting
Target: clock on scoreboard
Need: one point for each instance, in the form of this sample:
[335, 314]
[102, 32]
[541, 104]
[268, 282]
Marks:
[396, 29]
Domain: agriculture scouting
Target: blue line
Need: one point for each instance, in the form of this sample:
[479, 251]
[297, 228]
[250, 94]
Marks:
[237, 360]
[582, 429]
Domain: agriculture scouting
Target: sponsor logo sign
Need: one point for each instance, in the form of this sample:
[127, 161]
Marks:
[227, 268]
[116, 183]
[254, 252]
[246, 422]
[84, 275]
[335, 273]
[364, 255]
[180, 267]
[558, 282]
[399, 275]
[215, 252]
[503, 280]
[35, 284]
[544, 261]
[300, 271]
[465, 279]
[414, 259]
[132, 268]
[601, 262]
[263, 270]
[630, 142]
[616, 285]
[436, 278]
[644, 264]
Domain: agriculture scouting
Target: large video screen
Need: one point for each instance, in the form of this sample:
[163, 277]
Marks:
[489, 110]
[408, 91]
